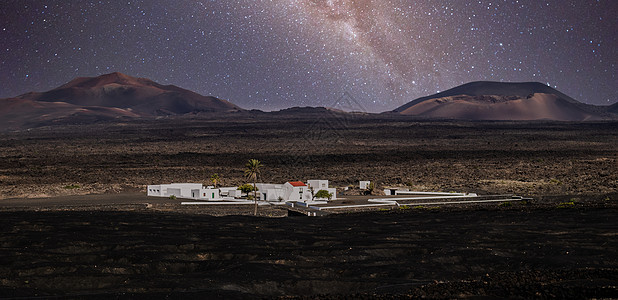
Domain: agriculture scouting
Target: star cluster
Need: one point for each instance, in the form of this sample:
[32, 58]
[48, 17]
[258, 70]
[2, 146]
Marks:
[273, 54]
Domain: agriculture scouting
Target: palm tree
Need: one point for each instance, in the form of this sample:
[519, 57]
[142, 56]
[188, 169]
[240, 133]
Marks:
[252, 172]
[215, 179]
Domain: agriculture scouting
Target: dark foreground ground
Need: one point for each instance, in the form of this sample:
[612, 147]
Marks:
[527, 252]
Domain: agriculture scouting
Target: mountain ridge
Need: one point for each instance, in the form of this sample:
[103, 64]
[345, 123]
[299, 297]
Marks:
[482, 88]
[488, 100]
[140, 95]
[113, 96]
[103, 98]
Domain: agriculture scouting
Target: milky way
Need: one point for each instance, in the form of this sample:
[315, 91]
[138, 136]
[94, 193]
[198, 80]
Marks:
[272, 54]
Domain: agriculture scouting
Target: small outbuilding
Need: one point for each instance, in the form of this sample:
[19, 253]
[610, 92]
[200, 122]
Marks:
[316, 185]
[179, 190]
[364, 184]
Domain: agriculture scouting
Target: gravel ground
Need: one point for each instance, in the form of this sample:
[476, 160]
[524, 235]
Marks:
[493, 251]
[529, 159]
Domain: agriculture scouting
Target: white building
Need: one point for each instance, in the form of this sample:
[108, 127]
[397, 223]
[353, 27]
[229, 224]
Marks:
[183, 190]
[293, 191]
[290, 191]
[230, 191]
[392, 191]
[205, 194]
[270, 191]
[296, 191]
[154, 190]
[179, 190]
[317, 185]
[364, 184]
[234, 193]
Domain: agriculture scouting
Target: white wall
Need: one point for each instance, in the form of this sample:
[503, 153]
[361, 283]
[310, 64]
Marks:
[176, 192]
[205, 194]
[274, 194]
[185, 189]
[318, 184]
[224, 191]
[154, 190]
[180, 190]
[268, 186]
[364, 184]
[234, 193]
[296, 193]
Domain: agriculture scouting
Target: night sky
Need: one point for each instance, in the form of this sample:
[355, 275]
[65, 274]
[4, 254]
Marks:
[273, 54]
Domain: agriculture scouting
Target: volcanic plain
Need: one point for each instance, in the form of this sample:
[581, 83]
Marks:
[59, 240]
[526, 158]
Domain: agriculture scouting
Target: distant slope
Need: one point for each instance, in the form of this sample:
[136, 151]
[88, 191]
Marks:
[140, 95]
[22, 113]
[537, 107]
[484, 100]
[106, 97]
[482, 88]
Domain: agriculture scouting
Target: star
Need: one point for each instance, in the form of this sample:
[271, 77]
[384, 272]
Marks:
[274, 54]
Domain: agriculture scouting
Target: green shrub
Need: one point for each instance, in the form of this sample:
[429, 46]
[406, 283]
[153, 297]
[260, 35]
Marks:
[324, 194]
[568, 204]
[246, 188]
[555, 181]
[505, 204]
[173, 197]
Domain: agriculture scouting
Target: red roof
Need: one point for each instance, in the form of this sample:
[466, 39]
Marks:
[297, 183]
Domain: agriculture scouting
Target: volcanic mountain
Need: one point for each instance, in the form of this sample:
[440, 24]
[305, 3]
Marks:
[108, 96]
[138, 95]
[485, 100]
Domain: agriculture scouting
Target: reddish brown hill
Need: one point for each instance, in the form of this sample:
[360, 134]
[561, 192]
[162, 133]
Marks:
[116, 77]
[536, 107]
[502, 101]
[106, 97]
[22, 113]
[140, 95]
